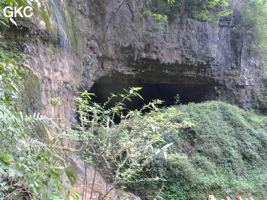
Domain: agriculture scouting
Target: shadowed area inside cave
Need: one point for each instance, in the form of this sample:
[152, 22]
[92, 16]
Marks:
[188, 93]
[159, 81]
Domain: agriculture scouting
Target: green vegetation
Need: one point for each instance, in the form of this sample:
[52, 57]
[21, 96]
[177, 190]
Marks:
[31, 83]
[45, 13]
[224, 153]
[17, 3]
[29, 167]
[253, 24]
[163, 10]
[121, 150]
[199, 9]
[55, 101]
[182, 152]
[254, 16]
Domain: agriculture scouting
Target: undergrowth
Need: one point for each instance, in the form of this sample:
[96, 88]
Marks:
[224, 154]
[30, 168]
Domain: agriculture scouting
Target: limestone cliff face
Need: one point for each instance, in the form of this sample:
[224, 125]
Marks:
[106, 44]
[122, 45]
[74, 44]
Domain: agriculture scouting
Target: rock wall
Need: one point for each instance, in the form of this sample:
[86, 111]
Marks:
[122, 45]
[90, 183]
[74, 44]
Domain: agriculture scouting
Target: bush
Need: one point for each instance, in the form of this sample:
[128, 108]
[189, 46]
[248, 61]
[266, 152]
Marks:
[224, 153]
[122, 151]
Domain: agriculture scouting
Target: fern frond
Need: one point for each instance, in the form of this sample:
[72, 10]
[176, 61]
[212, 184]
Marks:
[36, 118]
[54, 154]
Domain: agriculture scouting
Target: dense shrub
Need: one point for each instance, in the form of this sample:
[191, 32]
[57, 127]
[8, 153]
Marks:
[224, 153]
[121, 149]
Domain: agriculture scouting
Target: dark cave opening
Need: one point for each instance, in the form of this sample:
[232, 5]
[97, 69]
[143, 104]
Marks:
[188, 93]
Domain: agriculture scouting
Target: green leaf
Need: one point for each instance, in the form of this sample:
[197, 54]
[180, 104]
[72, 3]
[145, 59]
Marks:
[6, 158]
[76, 195]
[57, 167]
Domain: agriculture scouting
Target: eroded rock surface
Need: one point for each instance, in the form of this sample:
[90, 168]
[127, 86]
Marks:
[111, 42]
[186, 52]
[90, 184]
[75, 45]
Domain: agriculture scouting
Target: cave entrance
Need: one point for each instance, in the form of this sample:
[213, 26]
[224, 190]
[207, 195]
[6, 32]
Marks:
[188, 93]
[193, 83]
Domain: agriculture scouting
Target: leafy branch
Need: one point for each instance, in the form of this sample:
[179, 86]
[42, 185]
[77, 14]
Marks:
[29, 167]
[121, 150]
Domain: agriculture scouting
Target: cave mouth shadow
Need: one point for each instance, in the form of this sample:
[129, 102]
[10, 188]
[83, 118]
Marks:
[196, 93]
